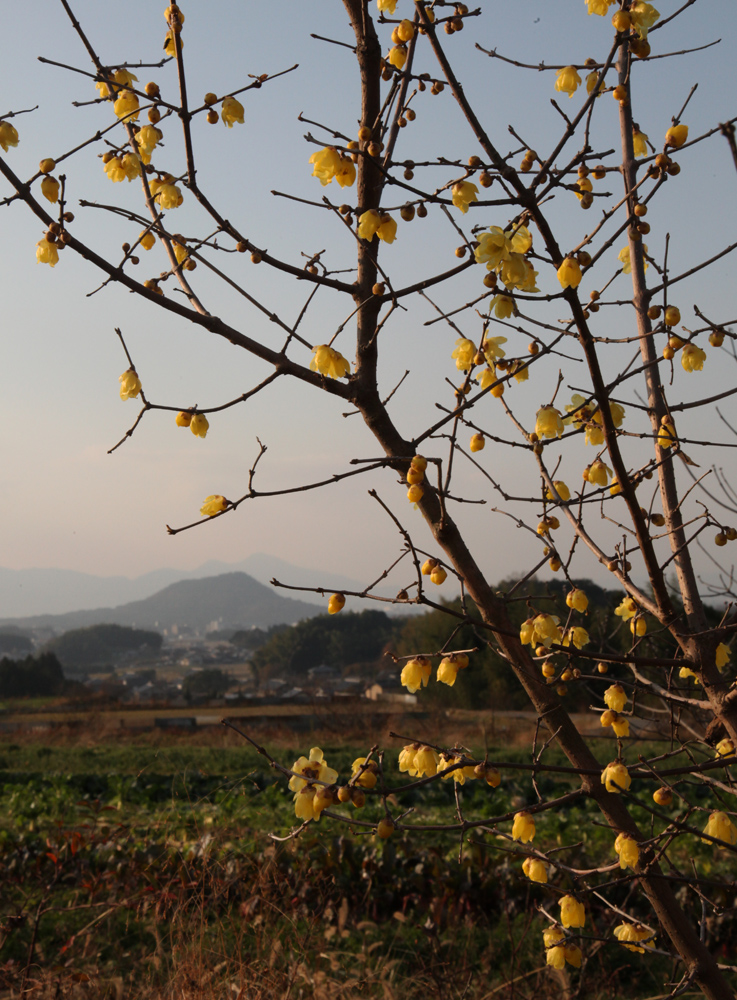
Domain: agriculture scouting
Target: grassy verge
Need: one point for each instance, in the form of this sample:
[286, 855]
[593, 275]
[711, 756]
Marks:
[151, 871]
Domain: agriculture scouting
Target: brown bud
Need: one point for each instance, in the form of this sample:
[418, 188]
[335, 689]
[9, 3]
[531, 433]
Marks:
[407, 212]
[213, 116]
[379, 288]
[68, 216]
[460, 251]
[256, 258]
[640, 210]
[154, 115]
[485, 179]
[242, 247]
[152, 89]
[410, 115]
[421, 210]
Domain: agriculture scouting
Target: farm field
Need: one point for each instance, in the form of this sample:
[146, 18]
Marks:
[161, 865]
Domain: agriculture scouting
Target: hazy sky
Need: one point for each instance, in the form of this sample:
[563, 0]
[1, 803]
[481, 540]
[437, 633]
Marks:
[66, 503]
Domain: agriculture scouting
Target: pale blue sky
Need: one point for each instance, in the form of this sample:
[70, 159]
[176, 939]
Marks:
[64, 502]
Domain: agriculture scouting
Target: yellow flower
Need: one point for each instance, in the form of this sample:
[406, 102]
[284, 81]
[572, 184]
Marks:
[583, 184]
[8, 135]
[124, 78]
[576, 635]
[626, 610]
[438, 576]
[667, 436]
[345, 175]
[545, 630]
[676, 136]
[615, 698]
[180, 251]
[568, 80]
[515, 271]
[591, 79]
[535, 869]
[621, 726]
[146, 139]
[368, 777]
[169, 196]
[721, 827]
[624, 256]
[425, 762]
[597, 473]
[616, 777]
[503, 306]
[569, 273]
[464, 354]
[685, 672]
[147, 240]
[563, 492]
[692, 357]
[523, 828]
[599, 6]
[386, 6]
[460, 774]
[130, 384]
[555, 953]
[199, 425]
[214, 504]
[549, 423]
[336, 603]
[572, 913]
[577, 600]
[131, 166]
[520, 371]
[493, 348]
[405, 30]
[398, 56]
[520, 239]
[416, 673]
[50, 189]
[46, 253]
[170, 46]
[725, 748]
[368, 224]
[387, 229]
[632, 932]
[126, 106]
[448, 670]
[326, 163]
[494, 247]
[722, 655]
[308, 800]
[115, 170]
[414, 494]
[231, 112]
[183, 418]
[639, 142]
[330, 362]
[463, 193]
[643, 16]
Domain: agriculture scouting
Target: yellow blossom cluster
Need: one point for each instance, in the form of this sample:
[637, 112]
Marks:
[459, 774]
[311, 799]
[503, 252]
[373, 223]
[587, 415]
[542, 630]
[331, 165]
[415, 493]
[418, 760]
[572, 912]
[557, 953]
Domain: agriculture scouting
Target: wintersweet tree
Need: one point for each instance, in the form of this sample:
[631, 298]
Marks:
[564, 384]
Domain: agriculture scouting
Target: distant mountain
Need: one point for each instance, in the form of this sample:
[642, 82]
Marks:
[34, 592]
[228, 601]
